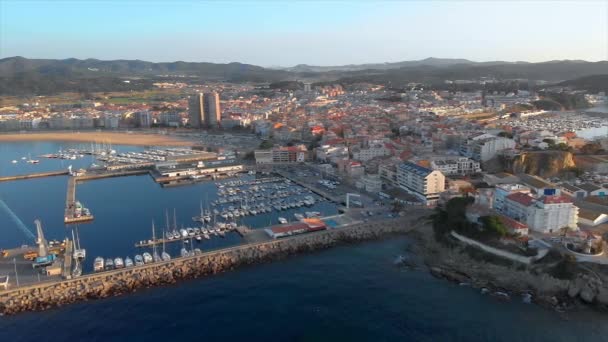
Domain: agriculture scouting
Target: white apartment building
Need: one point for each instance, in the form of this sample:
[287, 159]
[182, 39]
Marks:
[425, 183]
[485, 146]
[547, 214]
[332, 154]
[365, 154]
[501, 191]
[456, 166]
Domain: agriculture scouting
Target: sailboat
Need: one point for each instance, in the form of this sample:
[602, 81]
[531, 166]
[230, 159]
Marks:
[165, 256]
[32, 161]
[155, 255]
[79, 253]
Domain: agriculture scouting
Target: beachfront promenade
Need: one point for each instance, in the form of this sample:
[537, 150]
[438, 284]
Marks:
[100, 285]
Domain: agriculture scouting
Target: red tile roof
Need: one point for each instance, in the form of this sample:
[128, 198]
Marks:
[511, 223]
[521, 198]
[556, 199]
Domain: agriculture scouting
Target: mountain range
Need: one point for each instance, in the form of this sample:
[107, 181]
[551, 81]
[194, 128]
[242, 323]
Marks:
[23, 76]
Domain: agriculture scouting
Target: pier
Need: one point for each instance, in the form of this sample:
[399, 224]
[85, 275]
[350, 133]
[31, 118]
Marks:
[110, 283]
[34, 175]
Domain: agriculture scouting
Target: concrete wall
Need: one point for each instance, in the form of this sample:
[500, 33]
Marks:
[105, 284]
[498, 252]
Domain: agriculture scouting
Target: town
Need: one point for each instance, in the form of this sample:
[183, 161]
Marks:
[533, 177]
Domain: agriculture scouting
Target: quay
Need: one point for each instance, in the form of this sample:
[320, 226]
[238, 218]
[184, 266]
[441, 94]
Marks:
[46, 295]
[34, 175]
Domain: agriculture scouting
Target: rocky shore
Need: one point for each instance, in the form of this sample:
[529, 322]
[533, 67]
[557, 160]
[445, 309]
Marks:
[112, 283]
[510, 280]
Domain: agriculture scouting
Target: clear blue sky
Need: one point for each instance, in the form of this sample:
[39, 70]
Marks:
[286, 33]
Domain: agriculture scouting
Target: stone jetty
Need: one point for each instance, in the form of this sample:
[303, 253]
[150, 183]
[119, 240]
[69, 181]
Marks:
[101, 285]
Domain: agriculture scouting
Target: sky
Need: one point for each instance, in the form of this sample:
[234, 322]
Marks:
[286, 33]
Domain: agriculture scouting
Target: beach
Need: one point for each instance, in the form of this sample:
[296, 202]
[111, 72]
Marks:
[118, 138]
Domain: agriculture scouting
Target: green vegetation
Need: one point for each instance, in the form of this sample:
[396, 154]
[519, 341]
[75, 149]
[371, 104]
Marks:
[493, 226]
[567, 101]
[547, 104]
[452, 217]
[266, 145]
[506, 135]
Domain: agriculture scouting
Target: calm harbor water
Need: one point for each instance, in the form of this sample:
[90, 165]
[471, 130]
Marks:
[348, 293]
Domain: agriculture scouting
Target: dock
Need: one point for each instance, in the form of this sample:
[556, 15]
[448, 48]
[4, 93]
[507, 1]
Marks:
[34, 175]
[67, 260]
[70, 205]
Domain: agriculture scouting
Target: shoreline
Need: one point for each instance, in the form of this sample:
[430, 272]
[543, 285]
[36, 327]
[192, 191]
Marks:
[116, 138]
[508, 280]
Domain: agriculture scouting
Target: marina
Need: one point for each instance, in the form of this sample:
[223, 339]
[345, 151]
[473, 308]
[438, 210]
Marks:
[229, 211]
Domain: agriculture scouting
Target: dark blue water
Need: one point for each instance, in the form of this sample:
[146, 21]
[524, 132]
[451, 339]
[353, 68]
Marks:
[349, 293]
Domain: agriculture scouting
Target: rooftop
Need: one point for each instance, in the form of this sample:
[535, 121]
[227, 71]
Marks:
[521, 198]
[415, 168]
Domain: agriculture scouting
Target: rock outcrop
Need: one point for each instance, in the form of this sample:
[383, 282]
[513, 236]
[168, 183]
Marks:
[542, 163]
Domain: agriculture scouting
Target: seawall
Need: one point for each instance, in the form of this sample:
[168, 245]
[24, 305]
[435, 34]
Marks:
[48, 295]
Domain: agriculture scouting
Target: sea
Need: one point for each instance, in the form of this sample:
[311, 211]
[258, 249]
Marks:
[347, 293]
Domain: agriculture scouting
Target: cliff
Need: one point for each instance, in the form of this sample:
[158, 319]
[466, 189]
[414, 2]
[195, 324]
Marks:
[541, 163]
[47, 295]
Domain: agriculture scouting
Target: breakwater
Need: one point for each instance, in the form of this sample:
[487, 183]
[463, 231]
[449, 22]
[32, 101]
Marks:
[48, 295]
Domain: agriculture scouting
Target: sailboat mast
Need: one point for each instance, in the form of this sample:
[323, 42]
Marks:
[174, 219]
[153, 238]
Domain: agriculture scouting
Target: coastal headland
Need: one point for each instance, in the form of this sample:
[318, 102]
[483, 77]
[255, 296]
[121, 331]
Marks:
[117, 138]
[101, 285]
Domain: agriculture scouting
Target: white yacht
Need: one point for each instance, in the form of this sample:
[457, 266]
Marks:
[139, 260]
[98, 265]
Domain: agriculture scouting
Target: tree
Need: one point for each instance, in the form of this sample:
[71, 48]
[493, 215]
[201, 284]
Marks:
[493, 225]
[266, 145]
[506, 135]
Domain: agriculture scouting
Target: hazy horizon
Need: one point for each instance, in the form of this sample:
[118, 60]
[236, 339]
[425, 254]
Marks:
[273, 34]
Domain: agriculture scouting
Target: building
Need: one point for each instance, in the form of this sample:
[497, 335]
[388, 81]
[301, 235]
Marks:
[143, 119]
[196, 113]
[370, 183]
[366, 154]
[459, 166]
[421, 181]
[204, 110]
[212, 112]
[289, 154]
[170, 119]
[547, 214]
[501, 192]
[485, 147]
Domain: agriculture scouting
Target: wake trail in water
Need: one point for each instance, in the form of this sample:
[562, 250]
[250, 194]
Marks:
[17, 220]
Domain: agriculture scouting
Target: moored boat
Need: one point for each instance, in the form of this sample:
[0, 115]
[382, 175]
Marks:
[98, 265]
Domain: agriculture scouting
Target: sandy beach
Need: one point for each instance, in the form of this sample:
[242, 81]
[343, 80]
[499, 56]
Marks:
[117, 138]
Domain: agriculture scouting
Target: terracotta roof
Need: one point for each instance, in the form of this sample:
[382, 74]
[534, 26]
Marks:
[511, 223]
[521, 198]
[557, 199]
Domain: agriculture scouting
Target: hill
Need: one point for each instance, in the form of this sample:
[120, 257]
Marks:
[593, 83]
[22, 76]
